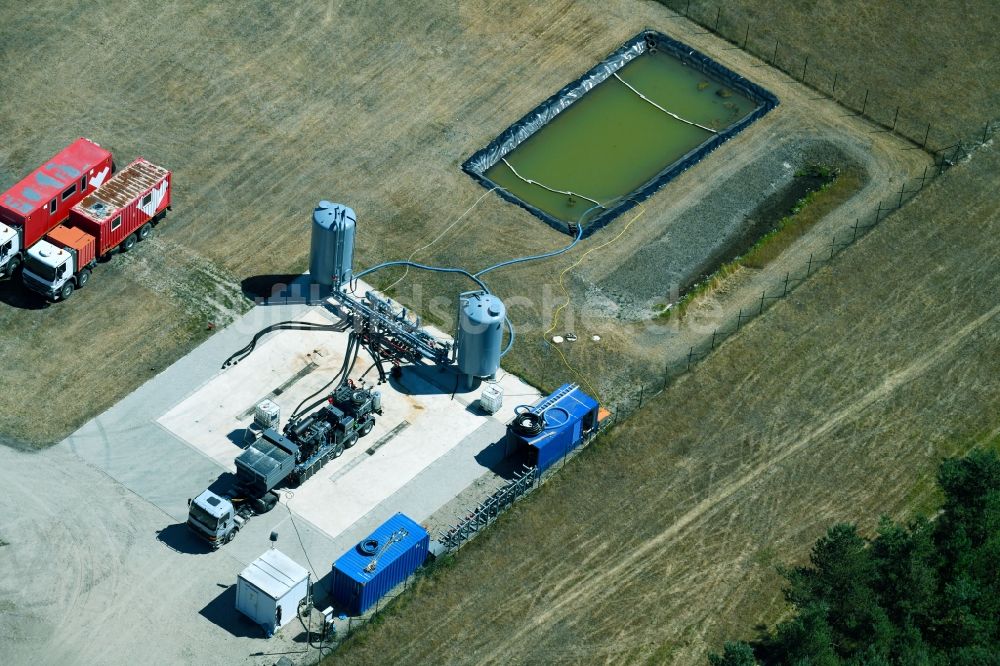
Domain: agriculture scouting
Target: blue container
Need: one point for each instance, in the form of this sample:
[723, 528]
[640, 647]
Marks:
[567, 414]
[356, 589]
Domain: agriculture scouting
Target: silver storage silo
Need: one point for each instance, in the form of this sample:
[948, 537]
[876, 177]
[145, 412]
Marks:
[331, 257]
[480, 333]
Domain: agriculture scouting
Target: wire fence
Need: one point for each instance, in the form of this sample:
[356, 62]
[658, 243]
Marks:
[487, 511]
[784, 285]
[835, 84]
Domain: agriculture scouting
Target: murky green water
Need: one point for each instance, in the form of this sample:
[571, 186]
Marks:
[611, 141]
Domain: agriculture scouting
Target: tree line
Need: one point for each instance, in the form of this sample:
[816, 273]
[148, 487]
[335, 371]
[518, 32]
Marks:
[923, 593]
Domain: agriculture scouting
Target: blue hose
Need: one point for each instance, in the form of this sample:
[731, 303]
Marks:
[521, 260]
[510, 341]
[436, 269]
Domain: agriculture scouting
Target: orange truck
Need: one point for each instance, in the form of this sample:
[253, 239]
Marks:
[117, 215]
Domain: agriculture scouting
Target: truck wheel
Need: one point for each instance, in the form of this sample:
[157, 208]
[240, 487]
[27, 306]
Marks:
[367, 427]
[338, 450]
[13, 265]
[146, 231]
[83, 278]
[229, 536]
[351, 440]
[66, 291]
[128, 243]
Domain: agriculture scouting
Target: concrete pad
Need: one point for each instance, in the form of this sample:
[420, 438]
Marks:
[392, 468]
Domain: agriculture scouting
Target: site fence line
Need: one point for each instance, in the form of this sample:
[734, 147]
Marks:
[833, 84]
[782, 287]
[525, 481]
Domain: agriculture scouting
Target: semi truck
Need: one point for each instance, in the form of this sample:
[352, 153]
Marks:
[118, 214]
[287, 459]
[43, 199]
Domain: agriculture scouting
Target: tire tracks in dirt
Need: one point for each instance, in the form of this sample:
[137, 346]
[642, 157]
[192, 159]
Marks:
[627, 565]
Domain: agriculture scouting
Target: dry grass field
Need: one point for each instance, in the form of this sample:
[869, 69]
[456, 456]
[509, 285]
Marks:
[937, 61]
[261, 112]
[660, 541]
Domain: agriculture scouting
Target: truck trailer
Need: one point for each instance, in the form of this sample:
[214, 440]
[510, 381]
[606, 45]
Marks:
[43, 199]
[285, 459]
[118, 214]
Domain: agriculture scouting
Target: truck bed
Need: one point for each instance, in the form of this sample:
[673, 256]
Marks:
[264, 464]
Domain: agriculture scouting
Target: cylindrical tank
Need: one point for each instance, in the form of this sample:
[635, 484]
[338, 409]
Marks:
[331, 258]
[480, 333]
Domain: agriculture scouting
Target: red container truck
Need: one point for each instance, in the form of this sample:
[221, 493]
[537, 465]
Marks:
[118, 214]
[43, 199]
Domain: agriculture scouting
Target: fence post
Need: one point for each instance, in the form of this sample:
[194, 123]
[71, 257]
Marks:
[739, 319]
[774, 57]
[834, 88]
[746, 38]
[687, 10]
[854, 236]
[864, 105]
[902, 188]
[809, 267]
[690, 354]
[986, 131]
[762, 294]
[718, 14]
[833, 245]
[895, 118]
[714, 333]
[784, 292]
[804, 66]
[642, 392]
[878, 213]
[926, 134]
[666, 373]
[923, 178]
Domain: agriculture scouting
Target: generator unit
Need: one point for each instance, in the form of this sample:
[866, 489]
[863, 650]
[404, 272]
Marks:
[555, 425]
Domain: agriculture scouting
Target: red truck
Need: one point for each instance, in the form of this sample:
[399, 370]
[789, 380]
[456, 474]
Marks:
[44, 198]
[118, 214]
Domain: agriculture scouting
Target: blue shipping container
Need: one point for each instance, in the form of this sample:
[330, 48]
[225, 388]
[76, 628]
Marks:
[567, 414]
[356, 589]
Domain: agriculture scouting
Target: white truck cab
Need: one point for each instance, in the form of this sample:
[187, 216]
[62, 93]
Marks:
[10, 250]
[214, 518]
[49, 270]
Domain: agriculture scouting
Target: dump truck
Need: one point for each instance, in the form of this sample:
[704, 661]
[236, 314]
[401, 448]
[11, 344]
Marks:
[284, 459]
[117, 215]
[43, 199]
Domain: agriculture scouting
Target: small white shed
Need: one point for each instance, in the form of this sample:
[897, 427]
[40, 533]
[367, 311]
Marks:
[269, 590]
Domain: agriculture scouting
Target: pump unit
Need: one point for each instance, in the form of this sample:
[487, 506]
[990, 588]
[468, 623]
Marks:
[331, 257]
[480, 333]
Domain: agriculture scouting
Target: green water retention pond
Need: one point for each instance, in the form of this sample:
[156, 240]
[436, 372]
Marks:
[611, 139]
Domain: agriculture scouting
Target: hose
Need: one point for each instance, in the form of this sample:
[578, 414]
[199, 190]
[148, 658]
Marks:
[510, 338]
[554, 408]
[242, 353]
[546, 255]
[528, 422]
[341, 376]
[436, 269]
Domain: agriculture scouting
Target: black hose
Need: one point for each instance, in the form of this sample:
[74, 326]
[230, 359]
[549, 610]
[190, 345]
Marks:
[352, 341]
[528, 423]
[242, 353]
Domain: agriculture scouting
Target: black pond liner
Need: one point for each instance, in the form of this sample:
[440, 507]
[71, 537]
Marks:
[477, 165]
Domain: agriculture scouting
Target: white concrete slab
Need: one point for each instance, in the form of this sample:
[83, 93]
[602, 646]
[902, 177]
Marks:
[422, 422]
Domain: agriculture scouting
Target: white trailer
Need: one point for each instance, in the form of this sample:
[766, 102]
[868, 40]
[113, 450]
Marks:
[270, 589]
